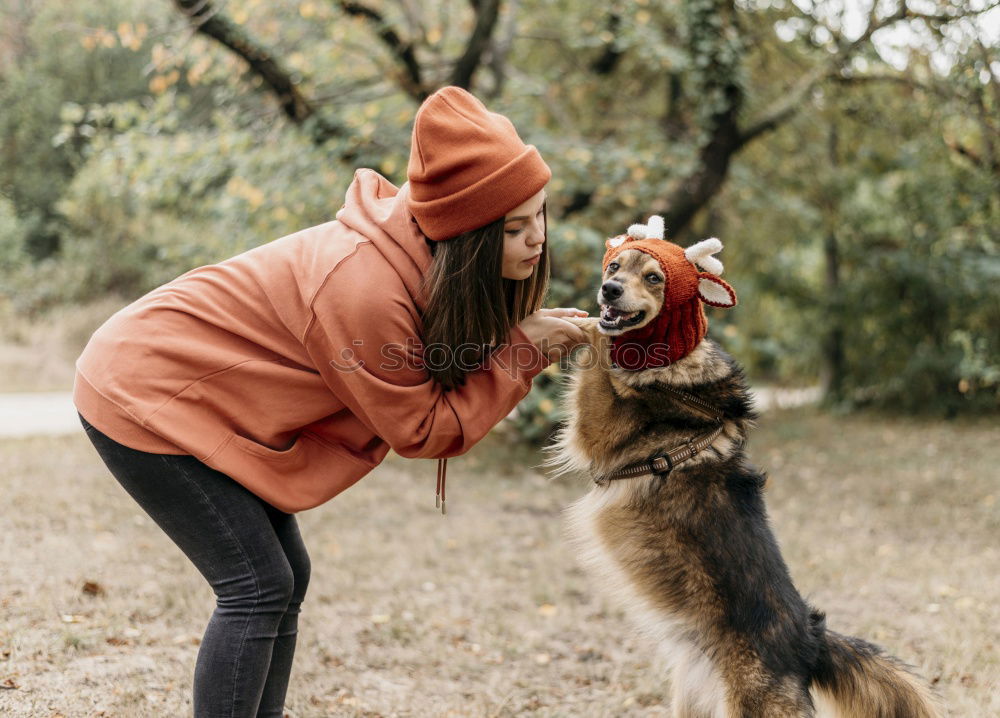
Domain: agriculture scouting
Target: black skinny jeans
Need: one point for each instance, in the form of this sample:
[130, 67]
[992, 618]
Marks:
[249, 552]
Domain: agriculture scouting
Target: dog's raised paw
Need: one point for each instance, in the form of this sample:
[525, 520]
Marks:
[588, 324]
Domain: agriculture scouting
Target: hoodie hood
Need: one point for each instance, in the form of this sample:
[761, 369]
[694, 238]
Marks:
[375, 208]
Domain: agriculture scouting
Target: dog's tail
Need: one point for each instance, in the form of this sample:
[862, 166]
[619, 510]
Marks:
[857, 680]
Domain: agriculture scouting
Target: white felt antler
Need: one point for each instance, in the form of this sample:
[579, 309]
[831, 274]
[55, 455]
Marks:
[637, 231]
[653, 229]
[701, 253]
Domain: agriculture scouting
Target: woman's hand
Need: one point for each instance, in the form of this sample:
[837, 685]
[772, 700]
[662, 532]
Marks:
[552, 334]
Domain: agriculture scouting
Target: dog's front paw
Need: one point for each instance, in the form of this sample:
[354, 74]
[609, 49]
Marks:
[588, 325]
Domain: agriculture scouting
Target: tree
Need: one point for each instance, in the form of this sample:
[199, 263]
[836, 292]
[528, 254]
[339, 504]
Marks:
[820, 159]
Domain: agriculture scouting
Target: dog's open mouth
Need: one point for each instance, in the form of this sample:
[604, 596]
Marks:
[612, 318]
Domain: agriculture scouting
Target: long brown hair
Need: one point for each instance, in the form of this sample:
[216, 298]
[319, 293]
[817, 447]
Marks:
[471, 307]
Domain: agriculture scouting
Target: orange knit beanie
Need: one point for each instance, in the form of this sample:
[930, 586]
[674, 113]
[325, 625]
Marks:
[468, 167]
[681, 323]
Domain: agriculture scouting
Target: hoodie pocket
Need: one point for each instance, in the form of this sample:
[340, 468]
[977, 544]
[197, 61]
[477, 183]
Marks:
[266, 452]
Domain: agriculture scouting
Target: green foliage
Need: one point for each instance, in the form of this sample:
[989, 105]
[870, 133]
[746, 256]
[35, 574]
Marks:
[129, 155]
[921, 305]
[68, 53]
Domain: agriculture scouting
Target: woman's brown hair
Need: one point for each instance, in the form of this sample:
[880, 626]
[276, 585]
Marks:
[471, 307]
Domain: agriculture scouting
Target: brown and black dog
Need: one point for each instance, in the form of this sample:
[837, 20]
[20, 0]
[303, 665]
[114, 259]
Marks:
[687, 550]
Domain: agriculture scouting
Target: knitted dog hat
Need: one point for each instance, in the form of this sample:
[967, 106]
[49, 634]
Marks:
[681, 323]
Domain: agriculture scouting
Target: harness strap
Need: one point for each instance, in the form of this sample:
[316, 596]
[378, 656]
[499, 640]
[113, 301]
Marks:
[665, 461]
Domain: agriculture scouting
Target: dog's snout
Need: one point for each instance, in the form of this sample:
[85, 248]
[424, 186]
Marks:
[611, 289]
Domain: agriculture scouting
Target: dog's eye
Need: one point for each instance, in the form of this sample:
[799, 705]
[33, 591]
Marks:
[613, 267]
[653, 278]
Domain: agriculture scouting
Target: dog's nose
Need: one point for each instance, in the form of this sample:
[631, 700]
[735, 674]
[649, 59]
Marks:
[611, 289]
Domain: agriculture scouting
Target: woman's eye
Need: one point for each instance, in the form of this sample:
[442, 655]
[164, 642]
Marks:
[654, 278]
[513, 232]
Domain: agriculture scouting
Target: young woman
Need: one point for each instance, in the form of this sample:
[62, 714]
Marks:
[242, 392]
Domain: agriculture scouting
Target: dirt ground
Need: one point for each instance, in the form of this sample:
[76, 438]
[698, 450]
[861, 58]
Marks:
[889, 525]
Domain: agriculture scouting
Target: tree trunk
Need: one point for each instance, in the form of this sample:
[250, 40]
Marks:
[832, 372]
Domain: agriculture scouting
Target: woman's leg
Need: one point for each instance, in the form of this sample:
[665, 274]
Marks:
[238, 542]
[272, 701]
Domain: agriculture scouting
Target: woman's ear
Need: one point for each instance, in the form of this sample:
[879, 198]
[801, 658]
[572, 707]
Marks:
[715, 292]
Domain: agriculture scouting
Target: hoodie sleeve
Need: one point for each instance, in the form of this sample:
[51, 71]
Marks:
[364, 341]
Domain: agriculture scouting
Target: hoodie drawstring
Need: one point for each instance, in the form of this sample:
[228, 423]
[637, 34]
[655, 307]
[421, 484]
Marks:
[439, 496]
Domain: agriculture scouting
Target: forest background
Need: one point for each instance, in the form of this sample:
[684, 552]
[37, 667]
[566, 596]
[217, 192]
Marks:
[848, 156]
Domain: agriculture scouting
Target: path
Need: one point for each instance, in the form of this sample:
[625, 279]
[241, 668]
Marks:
[52, 413]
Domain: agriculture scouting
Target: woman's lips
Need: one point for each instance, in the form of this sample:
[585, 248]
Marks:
[533, 260]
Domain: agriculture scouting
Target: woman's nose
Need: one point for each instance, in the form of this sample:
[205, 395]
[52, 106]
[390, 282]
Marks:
[536, 231]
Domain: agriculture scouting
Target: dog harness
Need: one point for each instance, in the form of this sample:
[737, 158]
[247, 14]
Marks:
[663, 462]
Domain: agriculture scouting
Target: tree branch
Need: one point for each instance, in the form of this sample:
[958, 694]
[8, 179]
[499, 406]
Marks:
[500, 49]
[973, 156]
[794, 99]
[411, 79]
[714, 36]
[608, 61]
[486, 19]
[206, 19]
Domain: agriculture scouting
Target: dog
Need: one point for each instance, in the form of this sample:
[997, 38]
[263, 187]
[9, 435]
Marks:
[675, 525]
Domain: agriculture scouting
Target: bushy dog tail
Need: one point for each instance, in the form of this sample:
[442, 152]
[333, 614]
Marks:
[855, 679]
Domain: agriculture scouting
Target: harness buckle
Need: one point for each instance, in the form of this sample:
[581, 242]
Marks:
[692, 450]
[661, 464]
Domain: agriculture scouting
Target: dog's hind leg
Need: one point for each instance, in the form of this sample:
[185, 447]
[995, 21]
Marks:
[698, 690]
[682, 706]
[773, 701]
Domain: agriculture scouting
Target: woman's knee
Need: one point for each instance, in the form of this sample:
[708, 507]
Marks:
[301, 568]
[265, 587]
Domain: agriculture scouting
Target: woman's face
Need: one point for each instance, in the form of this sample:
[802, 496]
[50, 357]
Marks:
[523, 237]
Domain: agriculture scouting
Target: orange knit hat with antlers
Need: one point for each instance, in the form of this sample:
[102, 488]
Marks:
[681, 323]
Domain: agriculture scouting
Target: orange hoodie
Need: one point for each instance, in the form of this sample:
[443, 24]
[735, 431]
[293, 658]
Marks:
[290, 367]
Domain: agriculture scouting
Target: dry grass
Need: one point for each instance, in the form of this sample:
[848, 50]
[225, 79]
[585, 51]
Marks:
[38, 354]
[889, 525]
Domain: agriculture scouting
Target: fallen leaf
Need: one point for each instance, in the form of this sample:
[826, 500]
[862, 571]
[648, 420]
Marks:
[9, 684]
[93, 588]
[547, 609]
